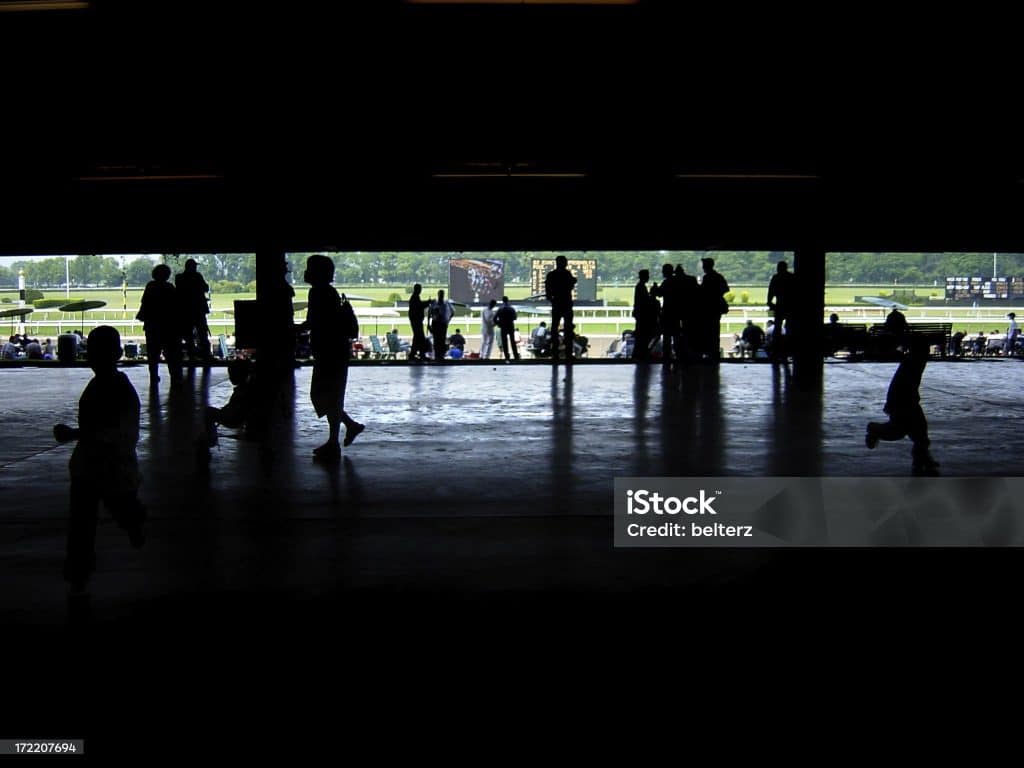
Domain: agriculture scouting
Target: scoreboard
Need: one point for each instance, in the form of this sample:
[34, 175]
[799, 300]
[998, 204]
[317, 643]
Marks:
[585, 271]
[982, 288]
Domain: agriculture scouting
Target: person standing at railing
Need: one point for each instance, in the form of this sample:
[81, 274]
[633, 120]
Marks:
[558, 287]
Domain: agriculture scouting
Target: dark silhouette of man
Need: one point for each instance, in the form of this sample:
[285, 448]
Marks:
[903, 404]
[713, 288]
[896, 323]
[158, 313]
[505, 318]
[689, 300]
[646, 316]
[104, 466]
[671, 317]
[417, 314]
[441, 313]
[780, 299]
[190, 289]
[540, 340]
[558, 287]
[457, 340]
[752, 338]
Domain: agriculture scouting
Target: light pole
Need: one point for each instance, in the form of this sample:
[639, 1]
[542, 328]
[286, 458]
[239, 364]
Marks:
[21, 301]
[67, 277]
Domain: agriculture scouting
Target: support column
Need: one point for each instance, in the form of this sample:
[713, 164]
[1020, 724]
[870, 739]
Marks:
[808, 316]
[274, 390]
[274, 302]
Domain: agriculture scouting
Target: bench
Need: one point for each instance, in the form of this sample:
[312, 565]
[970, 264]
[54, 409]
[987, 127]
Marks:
[877, 343]
[852, 338]
[937, 334]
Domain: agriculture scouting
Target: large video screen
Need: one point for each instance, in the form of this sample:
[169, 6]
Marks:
[476, 281]
[585, 271]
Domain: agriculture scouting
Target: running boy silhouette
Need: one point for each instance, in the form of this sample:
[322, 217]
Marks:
[104, 466]
[903, 404]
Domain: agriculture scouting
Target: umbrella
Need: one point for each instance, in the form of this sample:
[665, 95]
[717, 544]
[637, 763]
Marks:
[16, 312]
[878, 301]
[82, 306]
[521, 310]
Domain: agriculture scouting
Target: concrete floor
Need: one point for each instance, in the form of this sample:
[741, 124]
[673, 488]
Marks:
[470, 480]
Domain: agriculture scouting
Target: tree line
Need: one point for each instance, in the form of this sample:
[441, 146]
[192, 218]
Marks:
[236, 272]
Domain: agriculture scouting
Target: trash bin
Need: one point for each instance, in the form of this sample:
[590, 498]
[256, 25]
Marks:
[67, 348]
[131, 350]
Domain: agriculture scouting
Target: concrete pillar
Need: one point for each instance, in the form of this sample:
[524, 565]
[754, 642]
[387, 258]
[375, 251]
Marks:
[808, 312]
[274, 302]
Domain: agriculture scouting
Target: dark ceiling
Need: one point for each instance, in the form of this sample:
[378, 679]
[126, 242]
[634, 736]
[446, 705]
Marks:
[168, 126]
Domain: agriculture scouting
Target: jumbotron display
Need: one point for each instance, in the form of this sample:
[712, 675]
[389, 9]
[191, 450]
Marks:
[984, 288]
[476, 281]
[585, 271]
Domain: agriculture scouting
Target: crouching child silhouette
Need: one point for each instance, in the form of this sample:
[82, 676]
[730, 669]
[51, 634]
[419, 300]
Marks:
[104, 465]
[235, 413]
[903, 404]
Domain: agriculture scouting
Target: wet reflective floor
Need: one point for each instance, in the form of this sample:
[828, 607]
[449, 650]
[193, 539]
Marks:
[468, 479]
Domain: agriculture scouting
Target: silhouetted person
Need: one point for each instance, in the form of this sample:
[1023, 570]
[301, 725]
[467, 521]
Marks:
[1012, 332]
[670, 292]
[896, 323]
[646, 315]
[540, 339]
[833, 332]
[752, 338]
[978, 344]
[713, 305]
[689, 300]
[903, 404]
[558, 287]
[34, 350]
[104, 465]
[191, 289]
[236, 411]
[505, 317]
[957, 344]
[417, 314]
[395, 343]
[158, 313]
[487, 323]
[781, 290]
[441, 313]
[332, 326]
[457, 340]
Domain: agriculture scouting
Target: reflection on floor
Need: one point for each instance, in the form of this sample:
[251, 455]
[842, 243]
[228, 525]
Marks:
[467, 479]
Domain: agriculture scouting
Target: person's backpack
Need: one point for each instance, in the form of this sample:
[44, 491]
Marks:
[438, 312]
[349, 322]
